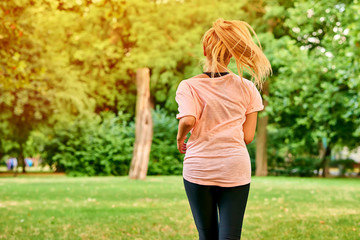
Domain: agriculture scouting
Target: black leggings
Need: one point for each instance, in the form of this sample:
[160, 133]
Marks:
[207, 202]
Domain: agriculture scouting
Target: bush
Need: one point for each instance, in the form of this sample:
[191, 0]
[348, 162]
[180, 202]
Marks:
[251, 147]
[165, 159]
[104, 146]
[300, 166]
[304, 166]
[343, 164]
[95, 146]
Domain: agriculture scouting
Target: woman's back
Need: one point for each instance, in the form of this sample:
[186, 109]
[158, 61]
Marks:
[216, 152]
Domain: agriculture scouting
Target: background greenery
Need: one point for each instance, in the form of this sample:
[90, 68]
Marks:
[67, 77]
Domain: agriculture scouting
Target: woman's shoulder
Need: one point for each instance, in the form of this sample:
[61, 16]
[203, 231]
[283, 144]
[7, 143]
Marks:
[196, 77]
[203, 75]
[192, 80]
[204, 79]
[242, 79]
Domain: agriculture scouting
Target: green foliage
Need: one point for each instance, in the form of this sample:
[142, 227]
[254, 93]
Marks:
[165, 159]
[300, 166]
[304, 166]
[51, 72]
[37, 86]
[103, 146]
[344, 165]
[251, 147]
[97, 146]
[314, 93]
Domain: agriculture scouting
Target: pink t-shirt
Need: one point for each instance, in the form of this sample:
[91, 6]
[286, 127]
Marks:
[216, 152]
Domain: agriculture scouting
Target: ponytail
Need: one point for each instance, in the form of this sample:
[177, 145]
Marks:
[233, 37]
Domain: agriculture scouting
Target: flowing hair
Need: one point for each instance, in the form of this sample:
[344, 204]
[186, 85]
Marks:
[233, 37]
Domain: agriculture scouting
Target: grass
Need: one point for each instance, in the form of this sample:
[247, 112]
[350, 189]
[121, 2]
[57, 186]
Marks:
[157, 208]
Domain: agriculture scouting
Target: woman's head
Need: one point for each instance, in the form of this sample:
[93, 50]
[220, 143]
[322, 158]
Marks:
[228, 39]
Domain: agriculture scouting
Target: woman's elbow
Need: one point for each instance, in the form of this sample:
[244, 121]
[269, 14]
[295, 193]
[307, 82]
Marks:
[188, 121]
[248, 140]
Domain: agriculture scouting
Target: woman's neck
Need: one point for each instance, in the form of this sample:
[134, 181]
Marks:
[220, 69]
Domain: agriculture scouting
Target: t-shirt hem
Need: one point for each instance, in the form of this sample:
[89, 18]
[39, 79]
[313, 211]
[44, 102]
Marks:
[184, 115]
[214, 183]
[257, 109]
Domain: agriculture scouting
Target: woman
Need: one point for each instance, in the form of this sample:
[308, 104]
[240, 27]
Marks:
[219, 109]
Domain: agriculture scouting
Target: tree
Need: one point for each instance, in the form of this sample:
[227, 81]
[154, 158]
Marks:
[144, 126]
[315, 92]
[34, 88]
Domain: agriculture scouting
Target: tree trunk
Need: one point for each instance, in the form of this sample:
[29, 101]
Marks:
[324, 153]
[325, 162]
[261, 139]
[21, 159]
[143, 126]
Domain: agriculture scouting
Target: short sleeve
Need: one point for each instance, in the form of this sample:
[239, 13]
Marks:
[256, 103]
[185, 101]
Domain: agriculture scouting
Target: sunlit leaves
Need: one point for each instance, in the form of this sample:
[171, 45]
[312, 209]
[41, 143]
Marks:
[317, 73]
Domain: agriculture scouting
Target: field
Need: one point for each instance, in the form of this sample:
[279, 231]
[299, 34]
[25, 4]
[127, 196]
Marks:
[157, 208]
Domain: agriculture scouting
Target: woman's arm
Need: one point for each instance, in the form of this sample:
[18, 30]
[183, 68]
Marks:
[249, 127]
[185, 125]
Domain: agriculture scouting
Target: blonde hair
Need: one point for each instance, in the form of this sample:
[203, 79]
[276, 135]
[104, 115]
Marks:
[233, 37]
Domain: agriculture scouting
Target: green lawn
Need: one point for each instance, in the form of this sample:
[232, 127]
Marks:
[119, 208]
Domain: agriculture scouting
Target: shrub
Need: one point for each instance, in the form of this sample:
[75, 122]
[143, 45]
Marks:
[104, 146]
[95, 146]
[343, 164]
[300, 166]
[165, 159]
[304, 166]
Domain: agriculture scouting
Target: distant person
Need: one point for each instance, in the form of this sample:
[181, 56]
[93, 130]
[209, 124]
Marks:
[11, 163]
[220, 108]
[29, 162]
